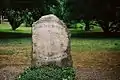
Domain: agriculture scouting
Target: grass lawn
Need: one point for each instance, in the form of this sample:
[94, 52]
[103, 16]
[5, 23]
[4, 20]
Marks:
[86, 52]
[93, 53]
[14, 45]
[99, 53]
[95, 44]
[6, 27]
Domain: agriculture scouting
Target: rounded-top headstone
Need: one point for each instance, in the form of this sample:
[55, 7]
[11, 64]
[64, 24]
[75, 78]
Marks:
[51, 42]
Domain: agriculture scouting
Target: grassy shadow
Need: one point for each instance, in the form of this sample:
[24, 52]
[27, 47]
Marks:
[14, 35]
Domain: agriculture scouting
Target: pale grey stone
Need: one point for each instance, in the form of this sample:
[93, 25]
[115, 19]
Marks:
[51, 42]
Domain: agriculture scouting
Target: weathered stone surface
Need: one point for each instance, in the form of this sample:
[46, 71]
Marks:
[51, 42]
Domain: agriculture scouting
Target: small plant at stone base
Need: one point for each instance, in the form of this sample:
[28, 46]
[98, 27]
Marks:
[48, 73]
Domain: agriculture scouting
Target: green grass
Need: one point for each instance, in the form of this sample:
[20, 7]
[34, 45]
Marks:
[85, 52]
[98, 44]
[18, 45]
[77, 44]
[7, 28]
[15, 46]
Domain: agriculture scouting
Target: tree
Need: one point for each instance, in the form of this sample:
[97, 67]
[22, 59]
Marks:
[59, 8]
[31, 15]
[14, 18]
[18, 16]
[27, 17]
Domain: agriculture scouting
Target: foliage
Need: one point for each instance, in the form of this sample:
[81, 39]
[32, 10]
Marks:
[36, 13]
[18, 16]
[78, 25]
[59, 8]
[93, 24]
[27, 18]
[48, 73]
[81, 25]
[14, 18]
[29, 15]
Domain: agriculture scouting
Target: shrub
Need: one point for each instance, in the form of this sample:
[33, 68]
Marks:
[48, 73]
[78, 25]
[93, 24]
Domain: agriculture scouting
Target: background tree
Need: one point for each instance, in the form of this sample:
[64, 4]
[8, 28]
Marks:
[14, 18]
[58, 7]
[36, 13]
[27, 17]
[18, 16]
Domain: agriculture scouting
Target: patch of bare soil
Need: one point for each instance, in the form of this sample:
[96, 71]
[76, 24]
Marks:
[11, 72]
[7, 60]
[88, 65]
[12, 65]
[95, 74]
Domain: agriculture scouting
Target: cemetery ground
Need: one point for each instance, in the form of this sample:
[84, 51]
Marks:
[93, 58]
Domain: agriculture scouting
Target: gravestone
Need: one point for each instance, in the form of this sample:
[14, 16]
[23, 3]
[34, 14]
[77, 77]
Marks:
[51, 42]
